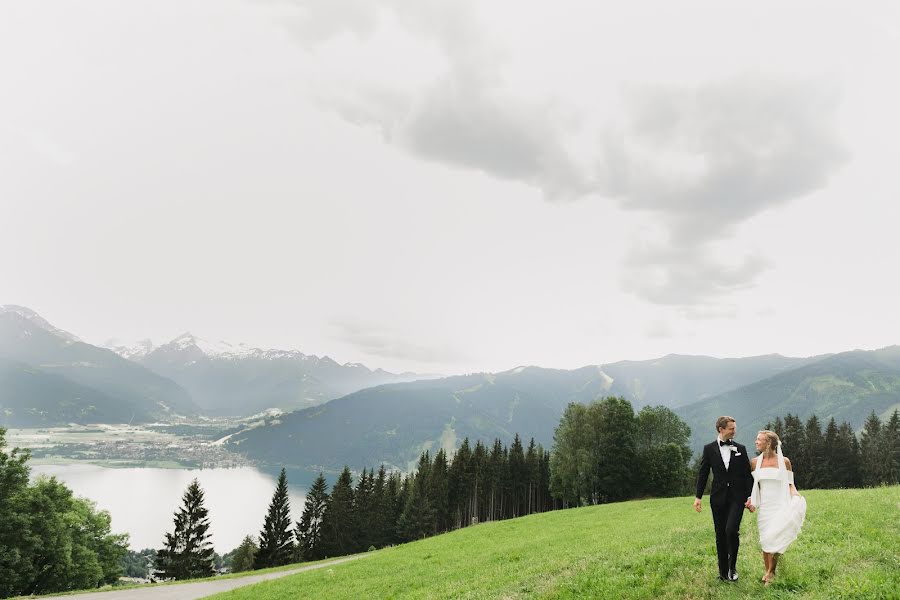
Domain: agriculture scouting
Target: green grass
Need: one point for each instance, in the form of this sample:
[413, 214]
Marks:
[111, 588]
[849, 548]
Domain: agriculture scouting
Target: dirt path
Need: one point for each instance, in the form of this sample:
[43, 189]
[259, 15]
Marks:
[200, 589]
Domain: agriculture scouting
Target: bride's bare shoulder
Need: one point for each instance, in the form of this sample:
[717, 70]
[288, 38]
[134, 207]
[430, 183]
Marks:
[787, 463]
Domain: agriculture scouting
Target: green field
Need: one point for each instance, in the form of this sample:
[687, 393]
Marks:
[849, 548]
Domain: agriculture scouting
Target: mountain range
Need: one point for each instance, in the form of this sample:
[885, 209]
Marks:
[393, 424]
[350, 414]
[48, 376]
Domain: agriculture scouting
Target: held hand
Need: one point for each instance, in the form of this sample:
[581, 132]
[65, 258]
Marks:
[749, 505]
[697, 504]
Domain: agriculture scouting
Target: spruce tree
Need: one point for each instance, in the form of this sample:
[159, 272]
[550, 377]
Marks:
[381, 507]
[813, 464]
[276, 540]
[872, 452]
[337, 523]
[793, 445]
[851, 475]
[309, 528]
[363, 523]
[188, 553]
[438, 493]
[892, 448]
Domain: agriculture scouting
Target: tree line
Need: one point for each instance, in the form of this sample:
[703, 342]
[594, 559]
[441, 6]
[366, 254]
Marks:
[604, 452]
[835, 457]
[381, 509]
[50, 541]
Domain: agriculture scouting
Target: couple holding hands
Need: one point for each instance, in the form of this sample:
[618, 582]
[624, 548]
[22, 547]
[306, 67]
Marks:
[764, 485]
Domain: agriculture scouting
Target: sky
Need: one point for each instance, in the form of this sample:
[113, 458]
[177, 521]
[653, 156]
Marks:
[451, 187]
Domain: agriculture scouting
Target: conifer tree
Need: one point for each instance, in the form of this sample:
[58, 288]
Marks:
[850, 475]
[380, 509]
[872, 452]
[813, 463]
[276, 540]
[363, 508]
[892, 448]
[309, 529]
[188, 552]
[793, 445]
[337, 524]
[438, 490]
[834, 456]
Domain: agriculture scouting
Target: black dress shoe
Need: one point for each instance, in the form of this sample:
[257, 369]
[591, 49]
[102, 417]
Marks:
[725, 579]
[732, 575]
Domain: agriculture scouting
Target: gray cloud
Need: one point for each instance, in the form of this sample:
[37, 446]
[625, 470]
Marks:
[699, 161]
[704, 160]
[686, 275]
[708, 158]
[470, 126]
[380, 342]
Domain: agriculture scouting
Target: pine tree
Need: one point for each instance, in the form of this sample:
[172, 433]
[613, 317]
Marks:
[438, 493]
[871, 452]
[309, 529]
[417, 519]
[851, 474]
[793, 445]
[834, 456]
[188, 553]
[276, 540]
[380, 509]
[813, 463]
[337, 523]
[363, 534]
[242, 560]
[892, 448]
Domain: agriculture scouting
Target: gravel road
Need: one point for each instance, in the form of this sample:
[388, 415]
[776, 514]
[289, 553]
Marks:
[200, 589]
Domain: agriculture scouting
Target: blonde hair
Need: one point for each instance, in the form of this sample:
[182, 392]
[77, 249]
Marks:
[772, 437]
[722, 422]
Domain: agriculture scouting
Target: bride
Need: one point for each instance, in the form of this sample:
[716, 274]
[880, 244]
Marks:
[781, 508]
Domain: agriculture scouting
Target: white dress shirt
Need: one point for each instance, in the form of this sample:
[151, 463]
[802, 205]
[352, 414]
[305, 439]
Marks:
[725, 451]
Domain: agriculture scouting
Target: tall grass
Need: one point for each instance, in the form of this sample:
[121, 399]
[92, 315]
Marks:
[849, 548]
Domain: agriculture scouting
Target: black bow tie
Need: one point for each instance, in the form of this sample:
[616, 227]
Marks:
[726, 443]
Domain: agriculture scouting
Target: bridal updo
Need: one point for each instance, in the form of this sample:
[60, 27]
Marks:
[772, 438]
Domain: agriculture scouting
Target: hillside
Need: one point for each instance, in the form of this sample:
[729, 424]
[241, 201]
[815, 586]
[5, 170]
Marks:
[677, 380]
[645, 549]
[846, 386]
[393, 424]
[73, 381]
[240, 381]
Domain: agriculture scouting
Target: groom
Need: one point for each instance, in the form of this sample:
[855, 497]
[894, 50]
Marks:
[730, 493]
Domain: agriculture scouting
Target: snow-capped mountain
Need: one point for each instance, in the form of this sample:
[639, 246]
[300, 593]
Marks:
[134, 351]
[239, 379]
[48, 376]
[38, 321]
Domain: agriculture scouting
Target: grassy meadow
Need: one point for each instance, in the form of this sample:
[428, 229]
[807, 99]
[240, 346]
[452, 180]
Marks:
[849, 548]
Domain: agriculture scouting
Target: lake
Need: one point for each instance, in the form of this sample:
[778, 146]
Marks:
[143, 501]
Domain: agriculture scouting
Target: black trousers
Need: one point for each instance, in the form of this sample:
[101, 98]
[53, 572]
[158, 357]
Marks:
[727, 521]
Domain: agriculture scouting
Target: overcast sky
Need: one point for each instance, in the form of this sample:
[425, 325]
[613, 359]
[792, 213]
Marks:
[455, 186]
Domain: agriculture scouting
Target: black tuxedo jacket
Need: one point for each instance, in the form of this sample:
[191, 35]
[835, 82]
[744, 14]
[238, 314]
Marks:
[737, 476]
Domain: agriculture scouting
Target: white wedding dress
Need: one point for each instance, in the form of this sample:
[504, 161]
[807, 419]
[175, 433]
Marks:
[779, 515]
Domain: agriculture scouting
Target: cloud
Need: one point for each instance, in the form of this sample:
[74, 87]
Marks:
[698, 160]
[685, 275]
[710, 157]
[381, 342]
[704, 160]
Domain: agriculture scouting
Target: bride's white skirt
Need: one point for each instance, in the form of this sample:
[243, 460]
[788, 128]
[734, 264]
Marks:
[779, 522]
